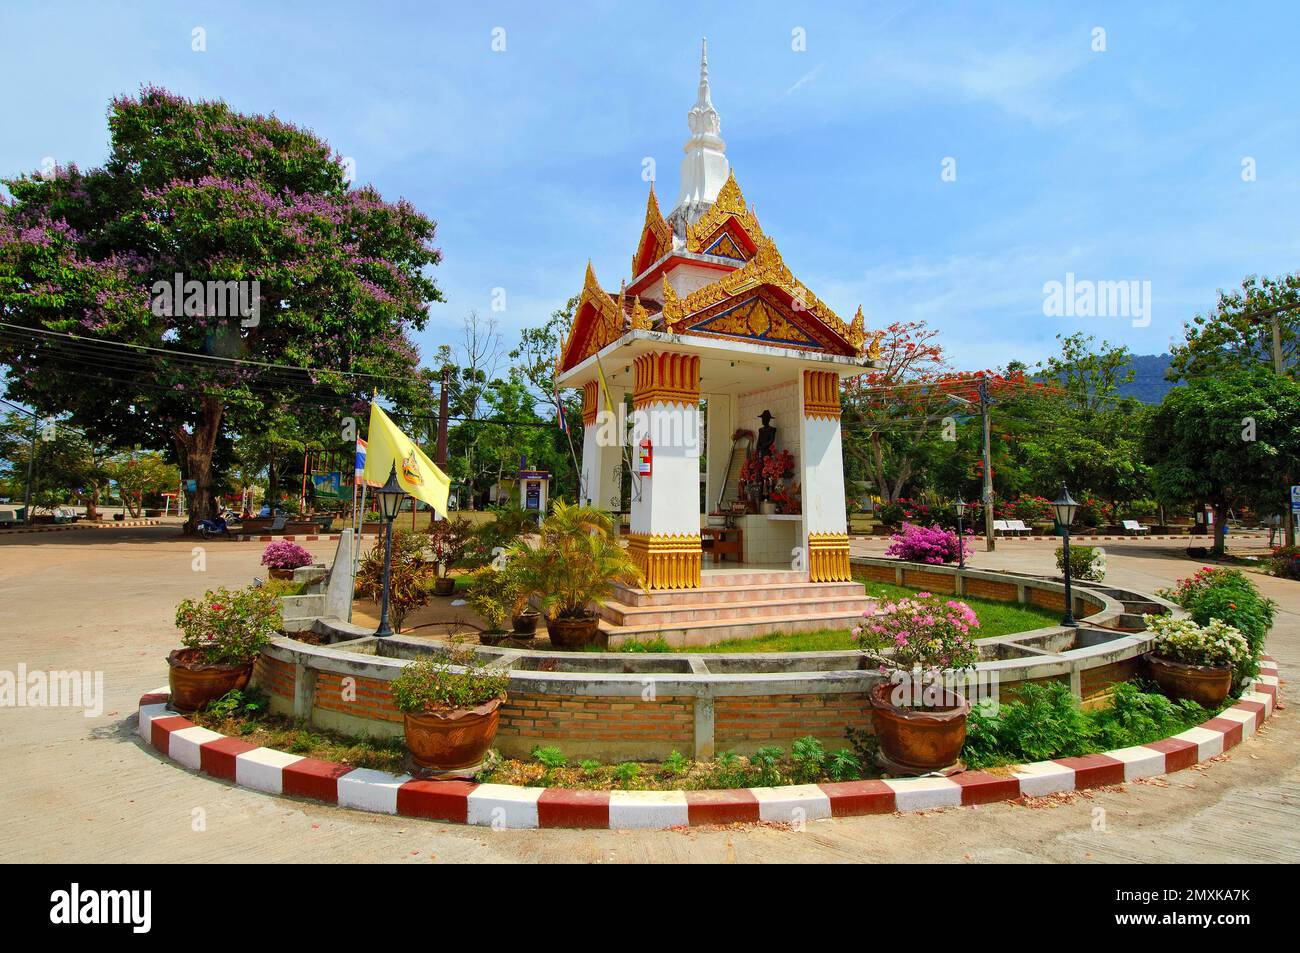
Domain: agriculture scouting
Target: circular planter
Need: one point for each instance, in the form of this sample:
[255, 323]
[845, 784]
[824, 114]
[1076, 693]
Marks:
[525, 624]
[493, 637]
[452, 740]
[1206, 685]
[444, 586]
[919, 741]
[194, 684]
[575, 634]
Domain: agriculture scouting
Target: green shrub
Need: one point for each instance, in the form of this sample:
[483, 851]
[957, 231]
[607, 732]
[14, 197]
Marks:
[676, 763]
[1229, 595]
[809, 759]
[1136, 717]
[550, 757]
[767, 762]
[843, 766]
[1087, 563]
[460, 681]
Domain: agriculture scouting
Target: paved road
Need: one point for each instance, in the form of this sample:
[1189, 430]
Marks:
[84, 789]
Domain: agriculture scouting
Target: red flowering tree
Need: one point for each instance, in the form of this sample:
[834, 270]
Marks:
[891, 414]
[198, 190]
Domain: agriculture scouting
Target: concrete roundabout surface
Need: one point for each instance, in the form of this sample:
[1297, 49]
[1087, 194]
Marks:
[84, 786]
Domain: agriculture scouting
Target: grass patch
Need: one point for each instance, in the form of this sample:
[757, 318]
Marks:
[996, 618]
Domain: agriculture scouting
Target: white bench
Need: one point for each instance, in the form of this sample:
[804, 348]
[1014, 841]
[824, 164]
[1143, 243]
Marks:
[1018, 526]
[1000, 526]
[1134, 527]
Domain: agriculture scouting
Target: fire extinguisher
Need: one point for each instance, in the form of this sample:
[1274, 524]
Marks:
[644, 460]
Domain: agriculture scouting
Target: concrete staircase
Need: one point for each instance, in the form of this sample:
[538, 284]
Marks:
[733, 605]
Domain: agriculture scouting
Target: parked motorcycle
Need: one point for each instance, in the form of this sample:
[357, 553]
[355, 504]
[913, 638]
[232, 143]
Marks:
[217, 526]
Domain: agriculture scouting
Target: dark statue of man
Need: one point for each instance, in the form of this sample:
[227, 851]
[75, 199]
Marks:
[766, 436]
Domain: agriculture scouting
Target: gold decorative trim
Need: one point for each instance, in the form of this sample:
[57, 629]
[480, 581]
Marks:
[590, 402]
[597, 321]
[640, 317]
[656, 236]
[821, 394]
[666, 561]
[673, 312]
[828, 557]
[666, 378]
[730, 203]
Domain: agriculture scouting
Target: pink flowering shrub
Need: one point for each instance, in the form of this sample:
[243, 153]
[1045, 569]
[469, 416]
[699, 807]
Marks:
[926, 544]
[924, 636]
[284, 554]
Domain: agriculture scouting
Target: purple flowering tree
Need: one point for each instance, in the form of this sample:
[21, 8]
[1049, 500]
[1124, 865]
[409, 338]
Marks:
[199, 190]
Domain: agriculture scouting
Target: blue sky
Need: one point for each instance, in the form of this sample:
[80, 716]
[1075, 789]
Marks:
[1117, 165]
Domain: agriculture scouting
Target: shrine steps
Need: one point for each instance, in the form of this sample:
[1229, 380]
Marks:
[733, 605]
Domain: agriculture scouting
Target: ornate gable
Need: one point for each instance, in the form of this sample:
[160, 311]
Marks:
[761, 318]
[598, 320]
[728, 215]
[656, 237]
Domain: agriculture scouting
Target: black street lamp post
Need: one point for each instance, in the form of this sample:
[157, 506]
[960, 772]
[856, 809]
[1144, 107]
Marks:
[960, 507]
[389, 497]
[1065, 507]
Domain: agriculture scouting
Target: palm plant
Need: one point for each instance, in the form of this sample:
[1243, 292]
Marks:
[576, 564]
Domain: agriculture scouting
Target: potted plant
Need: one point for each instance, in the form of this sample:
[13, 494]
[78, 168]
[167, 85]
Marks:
[450, 706]
[449, 541]
[919, 643]
[1193, 661]
[222, 635]
[523, 617]
[574, 569]
[490, 595]
[282, 557]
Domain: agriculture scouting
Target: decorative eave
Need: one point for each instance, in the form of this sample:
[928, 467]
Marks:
[766, 269]
[728, 208]
[598, 320]
[656, 236]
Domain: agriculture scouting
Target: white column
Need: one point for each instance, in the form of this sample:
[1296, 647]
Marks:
[665, 537]
[719, 428]
[602, 454]
[825, 524]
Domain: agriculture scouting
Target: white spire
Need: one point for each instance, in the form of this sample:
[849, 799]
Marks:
[705, 168]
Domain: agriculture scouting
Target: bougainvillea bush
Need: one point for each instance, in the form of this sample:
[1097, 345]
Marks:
[284, 554]
[229, 627]
[918, 642]
[927, 544]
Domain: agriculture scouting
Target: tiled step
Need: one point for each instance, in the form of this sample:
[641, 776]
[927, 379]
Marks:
[718, 594]
[718, 630]
[767, 577]
[621, 614]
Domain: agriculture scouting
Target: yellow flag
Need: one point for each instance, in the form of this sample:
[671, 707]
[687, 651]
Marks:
[387, 446]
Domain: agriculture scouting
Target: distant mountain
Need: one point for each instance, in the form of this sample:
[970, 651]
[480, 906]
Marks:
[1148, 384]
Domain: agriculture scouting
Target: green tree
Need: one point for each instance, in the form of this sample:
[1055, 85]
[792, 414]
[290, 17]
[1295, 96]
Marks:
[1226, 440]
[66, 466]
[199, 190]
[1233, 337]
[139, 474]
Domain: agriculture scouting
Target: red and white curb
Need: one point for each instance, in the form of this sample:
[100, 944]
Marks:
[64, 527]
[507, 806]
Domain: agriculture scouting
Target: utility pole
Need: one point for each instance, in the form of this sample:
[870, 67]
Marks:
[1274, 316]
[442, 420]
[27, 487]
[990, 540]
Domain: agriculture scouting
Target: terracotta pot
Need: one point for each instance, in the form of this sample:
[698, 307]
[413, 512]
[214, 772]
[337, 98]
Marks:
[919, 740]
[444, 586]
[525, 623]
[194, 684]
[1206, 685]
[280, 573]
[573, 635]
[371, 529]
[452, 739]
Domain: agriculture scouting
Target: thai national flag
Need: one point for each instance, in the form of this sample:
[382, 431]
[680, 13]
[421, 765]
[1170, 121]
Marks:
[361, 457]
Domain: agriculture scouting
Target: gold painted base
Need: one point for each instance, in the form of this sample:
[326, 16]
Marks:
[828, 557]
[666, 562]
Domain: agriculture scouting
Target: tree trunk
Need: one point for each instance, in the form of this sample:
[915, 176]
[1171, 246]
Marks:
[92, 506]
[195, 450]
